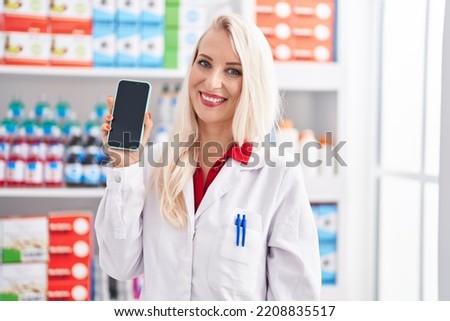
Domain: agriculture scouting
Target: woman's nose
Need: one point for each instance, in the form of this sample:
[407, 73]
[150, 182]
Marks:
[214, 79]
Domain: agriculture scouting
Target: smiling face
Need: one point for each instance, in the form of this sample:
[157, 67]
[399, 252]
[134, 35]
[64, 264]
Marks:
[215, 81]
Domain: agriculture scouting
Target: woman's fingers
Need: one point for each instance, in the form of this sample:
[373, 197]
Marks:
[110, 102]
[148, 125]
[104, 129]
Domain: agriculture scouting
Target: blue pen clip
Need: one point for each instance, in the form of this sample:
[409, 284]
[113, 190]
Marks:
[244, 229]
[238, 228]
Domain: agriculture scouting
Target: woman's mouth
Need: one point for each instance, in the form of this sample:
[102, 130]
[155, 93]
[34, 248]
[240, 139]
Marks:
[211, 100]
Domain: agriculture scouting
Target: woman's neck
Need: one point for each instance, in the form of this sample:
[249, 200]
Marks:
[214, 144]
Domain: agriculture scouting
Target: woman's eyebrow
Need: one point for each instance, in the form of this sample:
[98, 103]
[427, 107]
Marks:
[227, 63]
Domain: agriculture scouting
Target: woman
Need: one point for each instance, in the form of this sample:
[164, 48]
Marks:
[218, 220]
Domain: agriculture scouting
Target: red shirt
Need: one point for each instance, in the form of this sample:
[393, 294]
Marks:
[241, 155]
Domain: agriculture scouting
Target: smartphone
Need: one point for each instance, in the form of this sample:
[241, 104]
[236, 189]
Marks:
[130, 105]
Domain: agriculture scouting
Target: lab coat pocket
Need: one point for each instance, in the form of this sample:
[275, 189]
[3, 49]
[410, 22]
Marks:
[234, 268]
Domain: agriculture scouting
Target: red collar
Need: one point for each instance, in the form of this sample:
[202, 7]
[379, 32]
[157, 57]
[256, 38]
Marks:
[239, 154]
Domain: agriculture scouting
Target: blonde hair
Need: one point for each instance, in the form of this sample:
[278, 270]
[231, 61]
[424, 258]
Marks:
[256, 114]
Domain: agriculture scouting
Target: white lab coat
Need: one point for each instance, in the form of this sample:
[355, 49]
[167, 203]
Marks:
[280, 260]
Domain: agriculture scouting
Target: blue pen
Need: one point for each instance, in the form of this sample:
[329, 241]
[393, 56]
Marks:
[244, 229]
[238, 228]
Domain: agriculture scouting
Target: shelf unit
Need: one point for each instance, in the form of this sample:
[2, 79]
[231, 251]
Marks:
[309, 81]
[54, 192]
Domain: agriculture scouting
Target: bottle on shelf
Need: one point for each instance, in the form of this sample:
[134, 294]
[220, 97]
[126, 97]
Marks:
[287, 138]
[41, 108]
[91, 164]
[309, 153]
[75, 144]
[164, 125]
[91, 170]
[101, 109]
[11, 125]
[15, 164]
[34, 170]
[4, 147]
[173, 103]
[17, 108]
[33, 145]
[62, 110]
[327, 167]
[73, 171]
[70, 127]
[54, 162]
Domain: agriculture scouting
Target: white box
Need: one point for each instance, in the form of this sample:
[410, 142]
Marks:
[71, 9]
[128, 10]
[190, 16]
[153, 11]
[27, 48]
[23, 282]
[104, 44]
[71, 50]
[128, 45]
[152, 46]
[36, 8]
[24, 239]
[2, 46]
[103, 10]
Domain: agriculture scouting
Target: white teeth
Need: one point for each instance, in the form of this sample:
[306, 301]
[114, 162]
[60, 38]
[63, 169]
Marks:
[212, 100]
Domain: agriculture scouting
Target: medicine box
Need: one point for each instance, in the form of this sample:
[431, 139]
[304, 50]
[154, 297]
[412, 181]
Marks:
[152, 45]
[24, 239]
[71, 50]
[26, 15]
[128, 11]
[103, 10]
[153, 12]
[128, 45]
[71, 16]
[23, 282]
[104, 44]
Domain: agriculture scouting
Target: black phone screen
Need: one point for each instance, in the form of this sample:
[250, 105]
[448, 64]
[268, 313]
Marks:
[129, 109]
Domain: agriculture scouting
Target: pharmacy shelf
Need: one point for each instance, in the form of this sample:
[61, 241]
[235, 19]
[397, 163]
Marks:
[320, 190]
[329, 189]
[63, 192]
[71, 72]
[311, 76]
[291, 76]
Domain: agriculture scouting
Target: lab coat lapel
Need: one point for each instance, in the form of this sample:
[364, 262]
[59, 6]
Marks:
[228, 177]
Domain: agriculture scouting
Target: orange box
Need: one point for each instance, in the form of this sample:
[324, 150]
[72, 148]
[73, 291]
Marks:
[282, 49]
[69, 290]
[279, 9]
[313, 29]
[309, 13]
[312, 51]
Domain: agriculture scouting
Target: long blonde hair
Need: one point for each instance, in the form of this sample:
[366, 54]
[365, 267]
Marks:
[255, 116]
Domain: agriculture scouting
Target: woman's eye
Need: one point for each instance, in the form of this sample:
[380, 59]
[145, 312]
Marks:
[234, 72]
[204, 63]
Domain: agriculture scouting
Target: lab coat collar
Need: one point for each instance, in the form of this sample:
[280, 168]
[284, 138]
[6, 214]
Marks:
[257, 159]
[228, 177]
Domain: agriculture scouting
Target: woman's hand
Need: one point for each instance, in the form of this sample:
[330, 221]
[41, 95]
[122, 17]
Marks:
[123, 158]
